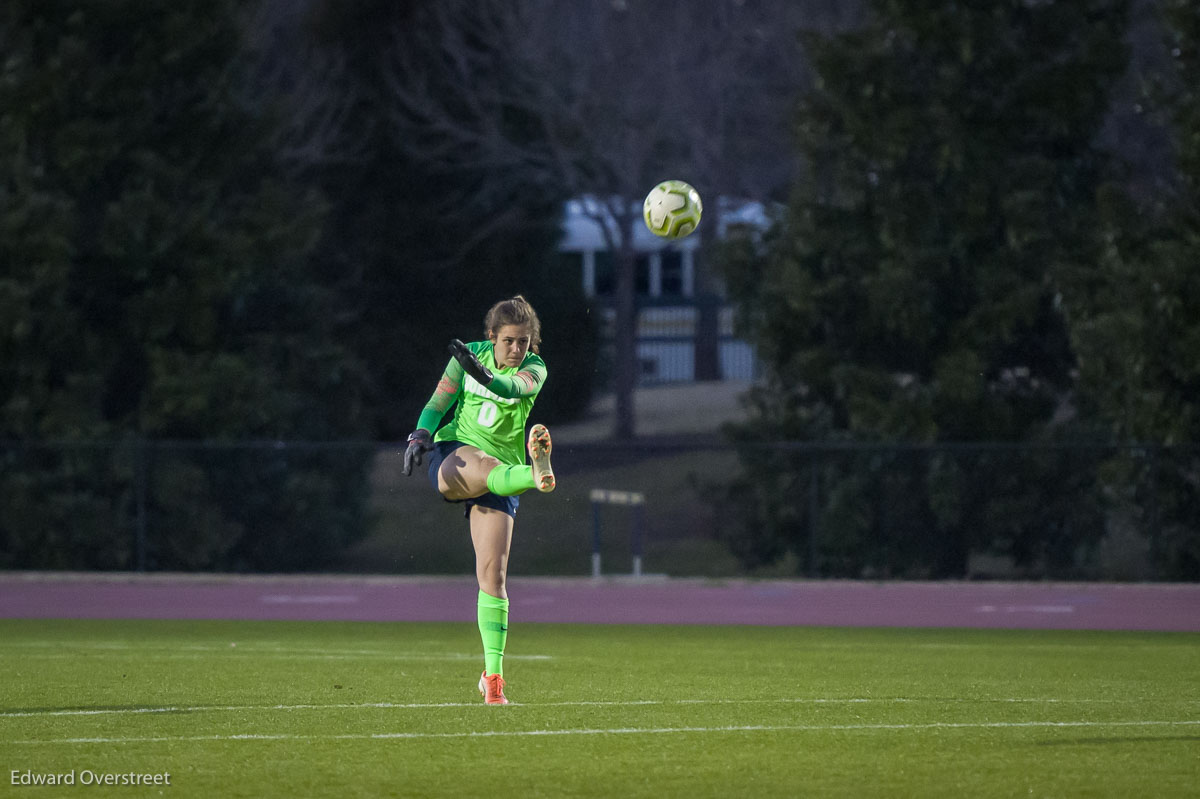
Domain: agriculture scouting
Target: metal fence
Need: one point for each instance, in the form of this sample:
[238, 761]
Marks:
[982, 510]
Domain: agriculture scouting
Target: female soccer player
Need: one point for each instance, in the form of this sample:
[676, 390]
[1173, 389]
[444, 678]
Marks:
[478, 457]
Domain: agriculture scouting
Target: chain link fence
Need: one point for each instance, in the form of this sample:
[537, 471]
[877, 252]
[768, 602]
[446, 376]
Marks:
[874, 511]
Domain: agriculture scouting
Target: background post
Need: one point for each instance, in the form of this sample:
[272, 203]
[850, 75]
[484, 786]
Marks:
[597, 498]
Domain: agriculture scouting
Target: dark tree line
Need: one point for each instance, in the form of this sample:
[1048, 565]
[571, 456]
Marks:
[964, 261]
[209, 233]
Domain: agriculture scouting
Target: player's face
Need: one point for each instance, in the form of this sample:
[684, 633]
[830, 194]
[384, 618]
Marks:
[511, 344]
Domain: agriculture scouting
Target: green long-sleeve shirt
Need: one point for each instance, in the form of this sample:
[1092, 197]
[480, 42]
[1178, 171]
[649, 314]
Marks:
[490, 417]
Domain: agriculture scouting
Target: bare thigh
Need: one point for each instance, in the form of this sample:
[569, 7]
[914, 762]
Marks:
[491, 533]
[463, 474]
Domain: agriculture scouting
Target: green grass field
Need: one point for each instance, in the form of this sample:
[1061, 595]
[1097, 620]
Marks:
[342, 710]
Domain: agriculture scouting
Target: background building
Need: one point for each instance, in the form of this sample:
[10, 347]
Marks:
[668, 301]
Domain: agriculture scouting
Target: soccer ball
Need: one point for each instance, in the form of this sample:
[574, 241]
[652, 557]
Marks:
[672, 209]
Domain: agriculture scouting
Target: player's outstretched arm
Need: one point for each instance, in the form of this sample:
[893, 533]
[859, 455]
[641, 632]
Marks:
[524, 383]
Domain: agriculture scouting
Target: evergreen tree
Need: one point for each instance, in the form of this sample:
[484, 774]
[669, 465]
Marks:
[911, 289]
[157, 272]
[1135, 323]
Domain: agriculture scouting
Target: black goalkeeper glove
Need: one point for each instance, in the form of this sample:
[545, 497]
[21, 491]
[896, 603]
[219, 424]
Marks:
[470, 363]
[419, 442]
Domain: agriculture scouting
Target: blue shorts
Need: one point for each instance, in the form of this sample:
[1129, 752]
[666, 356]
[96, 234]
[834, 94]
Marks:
[489, 500]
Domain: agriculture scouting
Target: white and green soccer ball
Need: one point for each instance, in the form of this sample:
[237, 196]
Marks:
[672, 209]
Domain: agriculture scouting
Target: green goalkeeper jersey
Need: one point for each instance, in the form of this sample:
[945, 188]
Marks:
[490, 417]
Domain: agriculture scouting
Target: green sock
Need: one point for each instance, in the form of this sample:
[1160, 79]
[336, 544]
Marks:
[493, 629]
[508, 481]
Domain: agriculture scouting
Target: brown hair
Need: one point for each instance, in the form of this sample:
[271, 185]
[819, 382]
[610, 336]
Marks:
[514, 311]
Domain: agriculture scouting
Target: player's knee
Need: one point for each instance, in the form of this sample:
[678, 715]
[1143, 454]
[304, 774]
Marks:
[492, 582]
[491, 575]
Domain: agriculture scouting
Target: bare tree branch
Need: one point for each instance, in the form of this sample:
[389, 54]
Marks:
[600, 99]
[309, 85]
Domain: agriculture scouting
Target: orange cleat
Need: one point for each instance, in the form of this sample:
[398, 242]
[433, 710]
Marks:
[539, 455]
[491, 686]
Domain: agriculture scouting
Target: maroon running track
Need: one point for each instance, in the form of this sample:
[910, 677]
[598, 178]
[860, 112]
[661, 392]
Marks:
[1081, 606]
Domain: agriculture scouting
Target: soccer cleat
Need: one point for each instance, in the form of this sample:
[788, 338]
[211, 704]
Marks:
[539, 455]
[491, 687]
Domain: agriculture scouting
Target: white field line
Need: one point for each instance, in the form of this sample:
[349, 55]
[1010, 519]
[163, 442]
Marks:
[386, 736]
[628, 703]
[195, 651]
